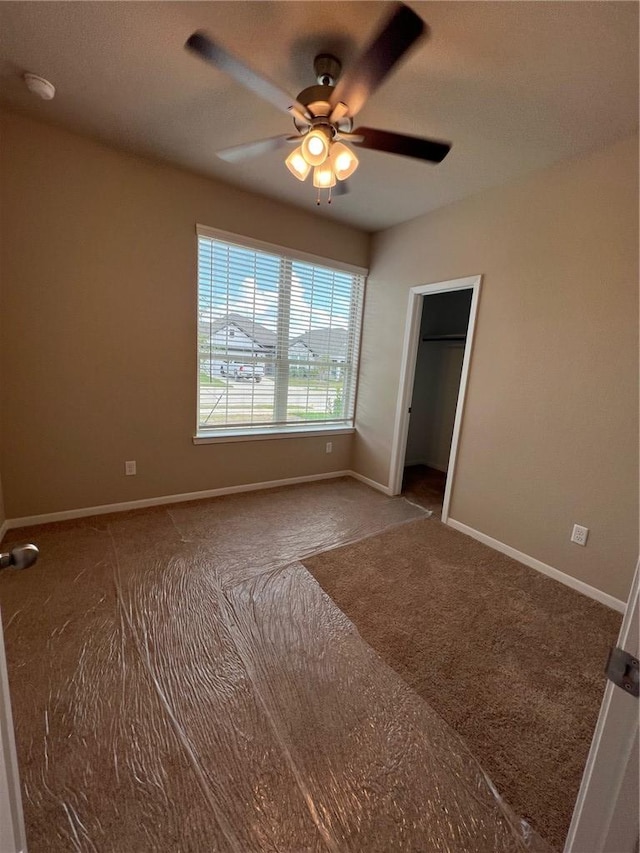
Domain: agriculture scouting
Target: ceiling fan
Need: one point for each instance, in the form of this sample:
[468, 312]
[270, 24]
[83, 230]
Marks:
[323, 114]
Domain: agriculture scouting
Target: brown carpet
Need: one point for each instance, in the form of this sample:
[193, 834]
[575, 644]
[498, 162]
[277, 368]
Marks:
[510, 658]
[177, 688]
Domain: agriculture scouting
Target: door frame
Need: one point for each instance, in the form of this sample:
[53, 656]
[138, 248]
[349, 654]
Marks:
[605, 818]
[407, 376]
[12, 833]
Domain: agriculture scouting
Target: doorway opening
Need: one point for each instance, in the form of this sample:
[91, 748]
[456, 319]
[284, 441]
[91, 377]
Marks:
[435, 368]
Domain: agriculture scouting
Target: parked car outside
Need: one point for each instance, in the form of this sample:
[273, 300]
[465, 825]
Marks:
[242, 370]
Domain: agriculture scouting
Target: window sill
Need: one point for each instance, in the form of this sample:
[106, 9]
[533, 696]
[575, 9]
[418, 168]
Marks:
[228, 436]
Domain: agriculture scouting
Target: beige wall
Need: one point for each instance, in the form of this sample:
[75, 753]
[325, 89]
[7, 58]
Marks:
[550, 433]
[97, 332]
[99, 324]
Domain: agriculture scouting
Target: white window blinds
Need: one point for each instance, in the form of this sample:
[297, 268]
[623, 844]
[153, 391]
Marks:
[278, 339]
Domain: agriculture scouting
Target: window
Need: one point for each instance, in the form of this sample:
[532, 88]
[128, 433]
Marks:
[278, 339]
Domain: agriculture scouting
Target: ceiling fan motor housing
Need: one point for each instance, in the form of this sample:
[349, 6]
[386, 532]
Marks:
[317, 99]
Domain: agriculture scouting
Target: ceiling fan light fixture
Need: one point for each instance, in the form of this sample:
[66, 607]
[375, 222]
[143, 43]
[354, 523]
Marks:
[323, 114]
[297, 165]
[324, 177]
[343, 161]
[315, 146]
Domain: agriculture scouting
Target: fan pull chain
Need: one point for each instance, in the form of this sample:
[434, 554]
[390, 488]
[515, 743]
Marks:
[318, 199]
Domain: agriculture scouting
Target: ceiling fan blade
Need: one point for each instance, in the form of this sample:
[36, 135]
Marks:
[348, 137]
[432, 150]
[215, 54]
[253, 149]
[341, 188]
[359, 81]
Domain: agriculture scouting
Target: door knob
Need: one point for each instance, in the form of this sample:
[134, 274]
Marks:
[22, 556]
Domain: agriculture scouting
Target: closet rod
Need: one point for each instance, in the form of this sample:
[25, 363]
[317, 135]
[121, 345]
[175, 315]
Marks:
[445, 338]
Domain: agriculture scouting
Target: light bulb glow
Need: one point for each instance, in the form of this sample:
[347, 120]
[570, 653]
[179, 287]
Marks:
[324, 177]
[343, 161]
[315, 146]
[297, 165]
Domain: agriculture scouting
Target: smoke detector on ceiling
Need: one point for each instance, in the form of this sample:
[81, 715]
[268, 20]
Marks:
[39, 86]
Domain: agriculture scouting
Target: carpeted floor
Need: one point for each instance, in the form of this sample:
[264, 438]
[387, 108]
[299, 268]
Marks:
[179, 684]
[511, 659]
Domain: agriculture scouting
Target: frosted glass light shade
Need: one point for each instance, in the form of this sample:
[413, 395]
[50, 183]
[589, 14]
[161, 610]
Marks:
[315, 147]
[343, 161]
[324, 177]
[297, 165]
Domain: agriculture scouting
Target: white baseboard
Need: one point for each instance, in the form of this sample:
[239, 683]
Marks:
[372, 483]
[539, 566]
[82, 512]
[532, 562]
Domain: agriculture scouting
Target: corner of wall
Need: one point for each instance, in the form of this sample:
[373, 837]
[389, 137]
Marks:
[568, 388]
[86, 346]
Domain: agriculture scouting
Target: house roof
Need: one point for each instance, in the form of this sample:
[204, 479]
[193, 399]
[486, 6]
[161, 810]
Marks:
[324, 343]
[264, 337]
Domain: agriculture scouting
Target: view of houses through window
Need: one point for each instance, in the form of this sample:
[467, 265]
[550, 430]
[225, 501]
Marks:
[278, 339]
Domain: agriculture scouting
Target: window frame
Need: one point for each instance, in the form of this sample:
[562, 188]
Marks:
[226, 434]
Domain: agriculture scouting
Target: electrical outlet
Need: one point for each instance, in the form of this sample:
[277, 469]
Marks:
[579, 534]
[130, 468]
[329, 447]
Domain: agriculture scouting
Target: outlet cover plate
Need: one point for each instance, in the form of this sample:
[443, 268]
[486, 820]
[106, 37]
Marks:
[579, 534]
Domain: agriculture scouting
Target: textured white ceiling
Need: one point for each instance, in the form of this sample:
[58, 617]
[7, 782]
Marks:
[514, 85]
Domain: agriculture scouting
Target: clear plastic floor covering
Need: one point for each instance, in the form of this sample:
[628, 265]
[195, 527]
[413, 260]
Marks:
[180, 682]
